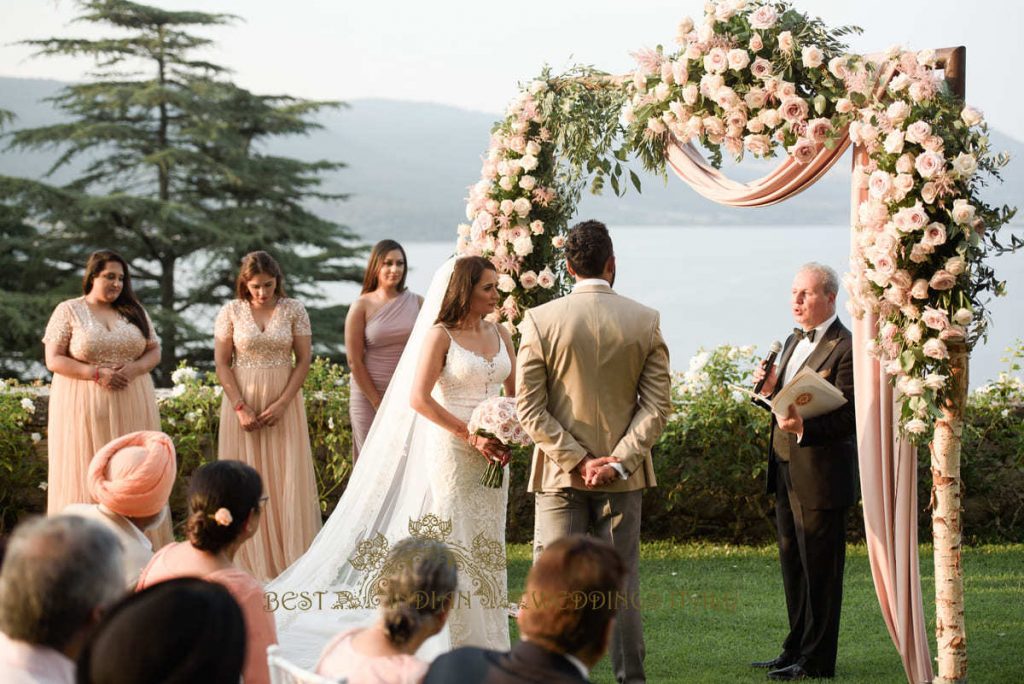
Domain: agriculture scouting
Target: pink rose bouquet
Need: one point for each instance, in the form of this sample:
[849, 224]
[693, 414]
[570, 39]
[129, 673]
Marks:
[497, 418]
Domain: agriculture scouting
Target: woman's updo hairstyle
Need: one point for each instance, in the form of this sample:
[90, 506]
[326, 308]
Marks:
[418, 582]
[221, 495]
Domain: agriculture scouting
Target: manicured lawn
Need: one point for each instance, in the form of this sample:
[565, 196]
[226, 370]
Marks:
[722, 607]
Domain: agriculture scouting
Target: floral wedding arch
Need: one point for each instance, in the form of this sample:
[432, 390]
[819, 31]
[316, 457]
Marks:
[759, 78]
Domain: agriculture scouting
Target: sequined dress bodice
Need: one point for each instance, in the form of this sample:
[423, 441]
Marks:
[75, 329]
[267, 348]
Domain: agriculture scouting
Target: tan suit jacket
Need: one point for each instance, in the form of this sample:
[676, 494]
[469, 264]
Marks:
[593, 377]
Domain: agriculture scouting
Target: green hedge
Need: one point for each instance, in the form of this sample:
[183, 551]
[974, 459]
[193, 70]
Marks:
[710, 460]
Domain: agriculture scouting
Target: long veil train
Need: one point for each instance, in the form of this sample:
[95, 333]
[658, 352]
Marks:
[330, 588]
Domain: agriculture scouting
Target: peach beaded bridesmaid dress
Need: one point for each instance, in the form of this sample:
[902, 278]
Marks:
[84, 416]
[280, 453]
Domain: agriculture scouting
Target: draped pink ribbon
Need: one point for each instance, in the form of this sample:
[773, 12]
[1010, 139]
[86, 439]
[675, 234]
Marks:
[789, 178]
[888, 466]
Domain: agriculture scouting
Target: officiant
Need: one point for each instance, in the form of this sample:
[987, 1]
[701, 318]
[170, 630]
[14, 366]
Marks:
[812, 470]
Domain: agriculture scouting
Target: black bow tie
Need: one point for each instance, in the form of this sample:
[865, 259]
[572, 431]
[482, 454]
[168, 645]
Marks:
[800, 334]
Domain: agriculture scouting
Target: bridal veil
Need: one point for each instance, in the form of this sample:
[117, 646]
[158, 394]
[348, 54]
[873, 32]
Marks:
[332, 586]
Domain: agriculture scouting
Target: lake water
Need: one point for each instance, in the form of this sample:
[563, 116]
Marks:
[730, 285]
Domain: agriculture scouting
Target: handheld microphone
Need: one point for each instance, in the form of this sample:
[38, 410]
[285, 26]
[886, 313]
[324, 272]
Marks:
[773, 352]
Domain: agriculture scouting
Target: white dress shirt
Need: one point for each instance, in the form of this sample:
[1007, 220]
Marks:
[138, 550]
[802, 351]
[578, 664]
[601, 281]
[804, 348]
[25, 663]
[590, 281]
[573, 660]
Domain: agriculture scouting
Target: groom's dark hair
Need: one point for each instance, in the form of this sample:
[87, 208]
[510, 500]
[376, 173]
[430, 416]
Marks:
[588, 246]
[572, 592]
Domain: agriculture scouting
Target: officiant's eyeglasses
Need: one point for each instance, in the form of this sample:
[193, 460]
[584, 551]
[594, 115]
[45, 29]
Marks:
[262, 503]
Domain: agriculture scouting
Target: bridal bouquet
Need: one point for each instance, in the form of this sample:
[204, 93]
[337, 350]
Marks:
[496, 418]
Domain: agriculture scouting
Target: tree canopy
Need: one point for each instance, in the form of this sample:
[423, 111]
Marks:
[172, 171]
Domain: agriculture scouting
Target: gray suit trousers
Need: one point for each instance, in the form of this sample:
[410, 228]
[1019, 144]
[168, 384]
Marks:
[615, 518]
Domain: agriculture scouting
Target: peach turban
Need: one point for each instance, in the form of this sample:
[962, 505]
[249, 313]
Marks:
[133, 474]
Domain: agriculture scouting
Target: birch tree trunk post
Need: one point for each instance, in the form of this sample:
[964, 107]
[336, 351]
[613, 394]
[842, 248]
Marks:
[947, 523]
[947, 527]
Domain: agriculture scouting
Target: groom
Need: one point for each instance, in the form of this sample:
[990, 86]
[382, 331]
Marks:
[593, 390]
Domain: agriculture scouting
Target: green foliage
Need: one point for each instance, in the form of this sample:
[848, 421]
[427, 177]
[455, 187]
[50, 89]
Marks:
[709, 462]
[31, 285]
[22, 469]
[330, 432]
[991, 460]
[560, 133]
[190, 415]
[726, 604]
[177, 178]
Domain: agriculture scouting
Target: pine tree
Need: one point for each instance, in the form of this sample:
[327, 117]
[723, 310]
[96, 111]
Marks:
[31, 281]
[176, 176]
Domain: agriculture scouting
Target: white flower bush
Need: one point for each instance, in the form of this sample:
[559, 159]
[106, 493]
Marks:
[184, 375]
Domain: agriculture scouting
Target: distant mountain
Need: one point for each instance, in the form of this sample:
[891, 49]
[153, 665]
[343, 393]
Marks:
[410, 164]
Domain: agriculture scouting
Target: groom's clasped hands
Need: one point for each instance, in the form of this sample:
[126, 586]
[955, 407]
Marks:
[597, 471]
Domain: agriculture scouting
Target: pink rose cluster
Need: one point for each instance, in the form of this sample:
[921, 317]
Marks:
[497, 417]
[503, 204]
[731, 93]
[916, 230]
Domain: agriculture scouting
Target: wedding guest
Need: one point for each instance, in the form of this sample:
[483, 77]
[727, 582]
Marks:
[225, 500]
[263, 416]
[59, 575]
[100, 348]
[377, 327]
[562, 639]
[812, 470]
[131, 479]
[416, 595]
[182, 631]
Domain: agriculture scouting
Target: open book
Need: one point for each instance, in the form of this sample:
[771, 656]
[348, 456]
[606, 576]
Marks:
[812, 394]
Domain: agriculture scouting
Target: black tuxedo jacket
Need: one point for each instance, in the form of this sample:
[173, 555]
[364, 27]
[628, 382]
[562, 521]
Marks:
[526, 663]
[823, 466]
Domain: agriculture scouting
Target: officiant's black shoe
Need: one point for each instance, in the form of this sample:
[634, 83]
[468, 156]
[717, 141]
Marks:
[794, 672]
[777, 663]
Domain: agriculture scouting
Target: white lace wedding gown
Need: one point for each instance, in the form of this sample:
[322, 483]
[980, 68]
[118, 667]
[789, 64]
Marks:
[412, 479]
[479, 615]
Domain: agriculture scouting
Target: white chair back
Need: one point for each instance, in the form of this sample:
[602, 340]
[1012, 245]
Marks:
[283, 671]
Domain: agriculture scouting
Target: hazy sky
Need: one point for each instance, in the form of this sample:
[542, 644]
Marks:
[471, 53]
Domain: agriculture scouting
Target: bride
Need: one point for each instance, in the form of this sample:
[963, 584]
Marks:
[418, 475]
[466, 359]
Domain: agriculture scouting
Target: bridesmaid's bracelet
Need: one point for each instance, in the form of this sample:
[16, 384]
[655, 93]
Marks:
[240, 405]
[96, 374]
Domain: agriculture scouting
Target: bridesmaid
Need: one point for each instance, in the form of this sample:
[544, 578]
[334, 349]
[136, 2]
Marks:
[378, 325]
[263, 417]
[100, 348]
